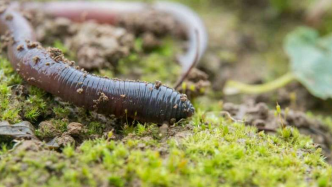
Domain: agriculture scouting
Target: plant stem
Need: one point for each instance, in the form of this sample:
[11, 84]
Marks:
[235, 87]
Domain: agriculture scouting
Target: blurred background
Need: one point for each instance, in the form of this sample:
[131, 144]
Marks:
[247, 44]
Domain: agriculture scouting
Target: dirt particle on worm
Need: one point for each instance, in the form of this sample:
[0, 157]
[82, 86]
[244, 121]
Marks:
[32, 45]
[31, 79]
[80, 90]
[9, 17]
[2, 9]
[36, 59]
[123, 96]
[20, 48]
[56, 54]
[102, 98]
[183, 98]
[158, 84]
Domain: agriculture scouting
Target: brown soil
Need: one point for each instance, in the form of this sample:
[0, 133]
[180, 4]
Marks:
[195, 84]
[98, 46]
[260, 116]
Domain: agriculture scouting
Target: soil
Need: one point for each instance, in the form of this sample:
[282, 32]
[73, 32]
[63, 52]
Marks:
[260, 116]
[98, 46]
[195, 84]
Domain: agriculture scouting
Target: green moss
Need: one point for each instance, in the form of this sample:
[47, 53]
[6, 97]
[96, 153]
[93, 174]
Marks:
[9, 107]
[61, 112]
[16, 106]
[159, 64]
[96, 128]
[217, 153]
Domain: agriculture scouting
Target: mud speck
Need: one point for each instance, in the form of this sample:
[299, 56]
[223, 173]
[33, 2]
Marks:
[80, 90]
[32, 45]
[2, 9]
[36, 59]
[9, 17]
[158, 84]
[20, 48]
[56, 54]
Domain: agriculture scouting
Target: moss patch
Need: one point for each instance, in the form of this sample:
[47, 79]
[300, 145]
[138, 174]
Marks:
[216, 152]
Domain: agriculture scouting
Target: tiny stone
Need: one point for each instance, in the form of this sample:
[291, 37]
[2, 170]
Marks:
[32, 45]
[158, 84]
[31, 79]
[9, 17]
[123, 96]
[103, 97]
[36, 59]
[75, 128]
[20, 48]
[2, 9]
[80, 90]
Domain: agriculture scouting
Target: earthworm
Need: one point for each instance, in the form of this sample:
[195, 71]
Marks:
[48, 70]
[111, 12]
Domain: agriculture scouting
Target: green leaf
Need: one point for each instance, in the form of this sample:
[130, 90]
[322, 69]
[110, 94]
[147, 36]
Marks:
[311, 60]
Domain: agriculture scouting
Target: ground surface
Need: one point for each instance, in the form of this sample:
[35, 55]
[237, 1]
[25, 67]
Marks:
[231, 141]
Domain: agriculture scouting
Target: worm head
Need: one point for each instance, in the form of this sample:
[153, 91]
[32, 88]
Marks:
[190, 109]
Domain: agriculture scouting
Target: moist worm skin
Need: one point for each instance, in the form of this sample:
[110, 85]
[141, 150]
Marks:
[111, 11]
[142, 101]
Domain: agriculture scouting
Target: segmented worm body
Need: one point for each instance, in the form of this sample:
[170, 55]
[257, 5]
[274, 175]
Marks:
[47, 70]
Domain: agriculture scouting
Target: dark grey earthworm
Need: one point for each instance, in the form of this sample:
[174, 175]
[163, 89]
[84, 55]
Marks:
[47, 70]
[111, 12]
